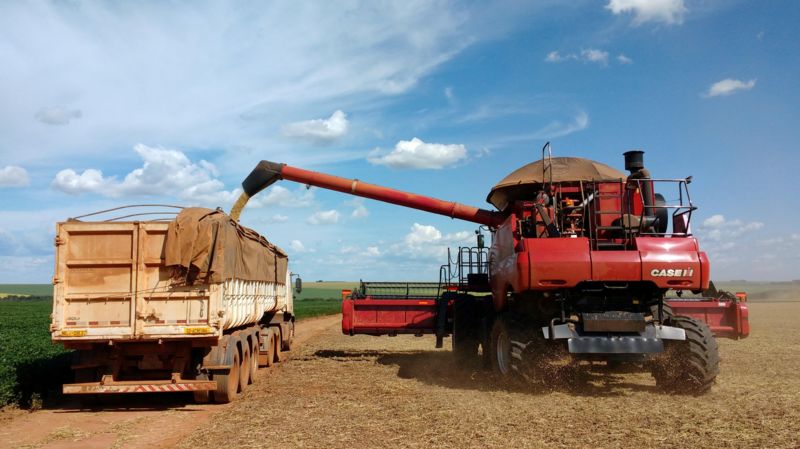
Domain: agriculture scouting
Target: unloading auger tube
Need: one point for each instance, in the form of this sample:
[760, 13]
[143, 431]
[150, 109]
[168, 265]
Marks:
[267, 173]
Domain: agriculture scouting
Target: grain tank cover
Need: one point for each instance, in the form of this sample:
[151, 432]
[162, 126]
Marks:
[207, 246]
[522, 182]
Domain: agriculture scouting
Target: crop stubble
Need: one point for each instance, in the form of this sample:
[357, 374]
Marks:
[363, 391]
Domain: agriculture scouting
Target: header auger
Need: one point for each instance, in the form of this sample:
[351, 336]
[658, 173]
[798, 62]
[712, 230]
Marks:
[581, 258]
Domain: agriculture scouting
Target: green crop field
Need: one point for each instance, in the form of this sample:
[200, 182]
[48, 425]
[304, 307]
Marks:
[31, 366]
[324, 290]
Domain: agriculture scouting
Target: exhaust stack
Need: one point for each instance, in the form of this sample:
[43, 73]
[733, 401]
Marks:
[634, 163]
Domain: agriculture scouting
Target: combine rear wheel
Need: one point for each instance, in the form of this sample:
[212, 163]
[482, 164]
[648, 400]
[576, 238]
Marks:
[692, 365]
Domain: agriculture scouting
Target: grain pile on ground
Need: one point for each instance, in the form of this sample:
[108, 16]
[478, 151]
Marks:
[397, 392]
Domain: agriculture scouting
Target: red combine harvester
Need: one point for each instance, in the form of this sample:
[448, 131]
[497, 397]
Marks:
[581, 258]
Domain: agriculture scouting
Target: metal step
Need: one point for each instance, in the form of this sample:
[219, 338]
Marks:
[607, 245]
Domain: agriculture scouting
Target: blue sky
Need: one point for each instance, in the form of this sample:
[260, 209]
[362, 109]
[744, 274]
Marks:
[156, 102]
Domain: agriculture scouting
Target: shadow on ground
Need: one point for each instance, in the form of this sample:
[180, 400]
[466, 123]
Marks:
[439, 368]
[39, 382]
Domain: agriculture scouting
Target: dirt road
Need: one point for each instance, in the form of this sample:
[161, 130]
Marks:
[354, 392]
[146, 421]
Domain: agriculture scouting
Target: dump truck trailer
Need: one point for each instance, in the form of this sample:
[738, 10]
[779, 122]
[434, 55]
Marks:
[194, 304]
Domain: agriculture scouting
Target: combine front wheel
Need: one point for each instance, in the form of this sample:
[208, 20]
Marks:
[692, 365]
[465, 338]
[500, 348]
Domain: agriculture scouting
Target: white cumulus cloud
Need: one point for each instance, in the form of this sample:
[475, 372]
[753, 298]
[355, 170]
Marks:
[324, 217]
[714, 221]
[170, 173]
[595, 55]
[417, 154]
[665, 11]
[319, 130]
[586, 55]
[163, 172]
[729, 86]
[13, 176]
[57, 115]
[297, 246]
[281, 196]
[359, 210]
[91, 180]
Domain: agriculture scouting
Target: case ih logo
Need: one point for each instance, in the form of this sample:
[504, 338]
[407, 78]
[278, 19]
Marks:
[671, 273]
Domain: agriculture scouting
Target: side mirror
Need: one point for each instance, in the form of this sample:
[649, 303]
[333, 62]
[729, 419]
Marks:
[481, 242]
[298, 285]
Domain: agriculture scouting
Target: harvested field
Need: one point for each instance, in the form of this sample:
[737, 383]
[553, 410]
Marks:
[340, 391]
[400, 392]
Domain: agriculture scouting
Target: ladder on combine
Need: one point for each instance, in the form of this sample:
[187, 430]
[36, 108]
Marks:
[608, 230]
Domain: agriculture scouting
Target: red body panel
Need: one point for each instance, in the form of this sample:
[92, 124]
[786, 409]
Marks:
[616, 266]
[388, 316]
[728, 319]
[671, 262]
[557, 263]
[548, 264]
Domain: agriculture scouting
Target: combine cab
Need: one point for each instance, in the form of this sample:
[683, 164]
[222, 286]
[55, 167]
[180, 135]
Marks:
[581, 258]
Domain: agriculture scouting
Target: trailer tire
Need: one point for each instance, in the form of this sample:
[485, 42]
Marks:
[465, 336]
[286, 344]
[500, 348]
[244, 371]
[269, 357]
[689, 366]
[202, 396]
[254, 352]
[228, 382]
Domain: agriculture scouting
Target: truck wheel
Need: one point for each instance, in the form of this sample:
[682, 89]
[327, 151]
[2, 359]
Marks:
[278, 345]
[271, 346]
[203, 396]
[228, 383]
[244, 372]
[500, 348]
[286, 345]
[464, 338]
[254, 350]
[690, 366]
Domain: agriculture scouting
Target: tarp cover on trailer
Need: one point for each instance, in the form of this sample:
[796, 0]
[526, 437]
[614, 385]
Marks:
[517, 185]
[207, 246]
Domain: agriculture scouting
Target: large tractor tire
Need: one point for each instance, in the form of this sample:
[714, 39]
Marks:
[690, 366]
[666, 311]
[465, 336]
[500, 348]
